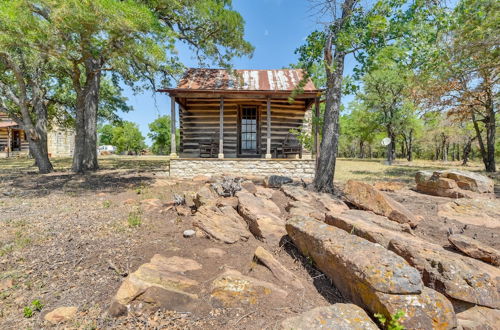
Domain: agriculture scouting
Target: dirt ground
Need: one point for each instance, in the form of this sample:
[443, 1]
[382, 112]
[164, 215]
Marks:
[69, 240]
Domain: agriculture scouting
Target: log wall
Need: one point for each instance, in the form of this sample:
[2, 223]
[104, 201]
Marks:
[199, 122]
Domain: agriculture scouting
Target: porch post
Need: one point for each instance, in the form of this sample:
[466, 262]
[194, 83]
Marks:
[173, 151]
[221, 128]
[315, 127]
[9, 138]
[268, 117]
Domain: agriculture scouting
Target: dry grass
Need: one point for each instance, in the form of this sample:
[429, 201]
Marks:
[371, 170]
[368, 170]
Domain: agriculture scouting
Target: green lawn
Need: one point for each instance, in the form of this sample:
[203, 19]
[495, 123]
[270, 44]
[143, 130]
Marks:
[368, 170]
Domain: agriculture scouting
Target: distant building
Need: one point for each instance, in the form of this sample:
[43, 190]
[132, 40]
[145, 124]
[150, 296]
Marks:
[13, 141]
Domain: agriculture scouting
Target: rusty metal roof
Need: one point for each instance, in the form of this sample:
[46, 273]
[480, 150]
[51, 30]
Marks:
[4, 124]
[283, 80]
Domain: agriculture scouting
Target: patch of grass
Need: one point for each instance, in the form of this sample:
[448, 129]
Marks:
[106, 204]
[29, 311]
[393, 322]
[134, 219]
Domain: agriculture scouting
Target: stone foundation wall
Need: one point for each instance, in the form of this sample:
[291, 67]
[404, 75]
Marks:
[295, 168]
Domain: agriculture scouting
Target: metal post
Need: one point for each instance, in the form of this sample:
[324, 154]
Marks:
[9, 141]
[315, 127]
[173, 153]
[268, 117]
[221, 128]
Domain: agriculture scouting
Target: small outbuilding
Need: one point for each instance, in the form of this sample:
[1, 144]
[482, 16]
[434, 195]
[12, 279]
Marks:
[250, 116]
[243, 121]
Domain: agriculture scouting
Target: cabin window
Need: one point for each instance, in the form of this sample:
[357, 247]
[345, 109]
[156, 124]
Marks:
[249, 130]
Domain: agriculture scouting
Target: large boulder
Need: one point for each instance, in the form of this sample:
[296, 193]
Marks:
[456, 276]
[453, 183]
[337, 316]
[433, 184]
[161, 283]
[475, 249]
[370, 276]
[263, 217]
[279, 271]
[366, 197]
[470, 181]
[232, 289]
[222, 223]
[310, 203]
[276, 181]
[479, 318]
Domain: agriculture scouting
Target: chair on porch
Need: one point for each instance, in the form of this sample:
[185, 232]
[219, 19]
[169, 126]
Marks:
[210, 149]
[290, 146]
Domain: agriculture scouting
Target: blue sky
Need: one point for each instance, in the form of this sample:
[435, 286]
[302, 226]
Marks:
[274, 27]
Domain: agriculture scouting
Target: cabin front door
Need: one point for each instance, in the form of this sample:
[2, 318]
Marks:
[248, 132]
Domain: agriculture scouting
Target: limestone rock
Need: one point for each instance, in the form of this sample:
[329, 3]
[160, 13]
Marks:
[278, 270]
[469, 181]
[475, 249]
[188, 233]
[189, 197]
[368, 198]
[262, 216]
[233, 289]
[200, 178]
[371, 276]
[337, 316]
[479, 318]
[331, 204]
[298, 193]
[61, 314]
[221, 223]
[433, 184]
[205, 196]
[276, 181]
[456, 276]
[163, 274]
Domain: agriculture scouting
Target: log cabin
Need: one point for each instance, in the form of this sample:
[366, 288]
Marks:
[13, 141]
[242, 117]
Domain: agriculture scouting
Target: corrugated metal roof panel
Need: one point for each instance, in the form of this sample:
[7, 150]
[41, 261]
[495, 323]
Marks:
[249, 80]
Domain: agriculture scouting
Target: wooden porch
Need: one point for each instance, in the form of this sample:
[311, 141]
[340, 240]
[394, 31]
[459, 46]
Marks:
[217, 119]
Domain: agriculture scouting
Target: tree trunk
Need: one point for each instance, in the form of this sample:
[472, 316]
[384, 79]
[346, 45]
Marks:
[361, 149]
[85, 153]
[466, 152]
[409, 148]
[325, 170]
[490, 138]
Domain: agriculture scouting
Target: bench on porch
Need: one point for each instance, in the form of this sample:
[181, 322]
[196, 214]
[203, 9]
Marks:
[290, 146]
[210, 149]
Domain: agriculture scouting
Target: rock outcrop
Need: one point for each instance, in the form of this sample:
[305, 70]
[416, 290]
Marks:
[263, 217]
[455, 276]
[453, 183]
[371, 276]
[458, 277]
[160, 283]
[232, 289]
[279, 271]
[221, 223]
[337, 316]
[366, 197]
[475, 249]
